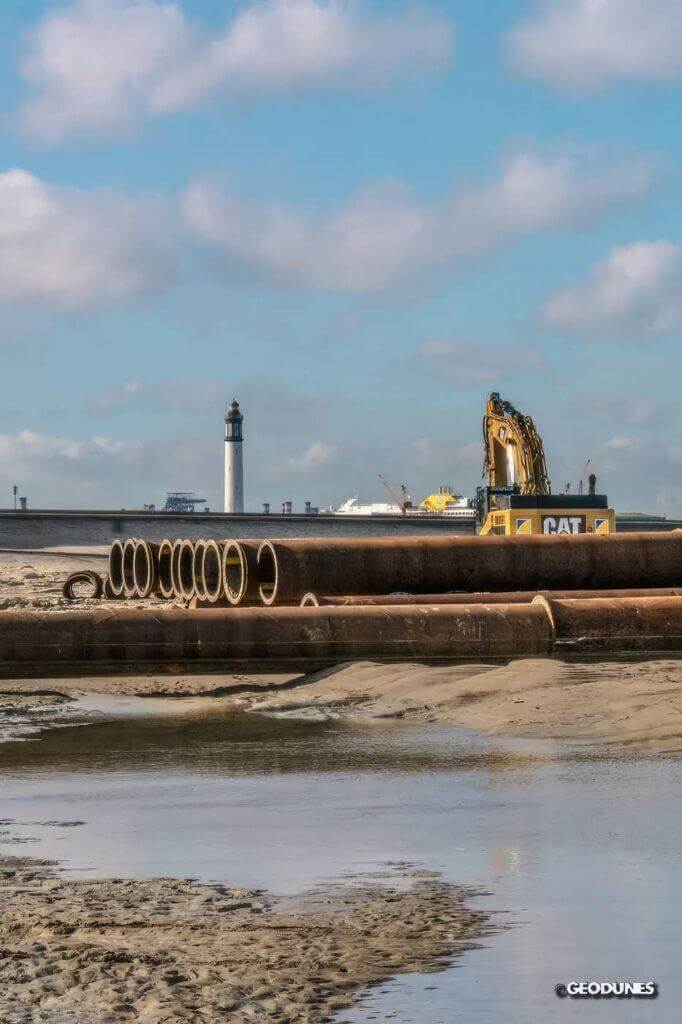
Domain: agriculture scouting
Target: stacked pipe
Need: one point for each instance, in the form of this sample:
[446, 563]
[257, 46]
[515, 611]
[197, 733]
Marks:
[207, 572]
[283, 571]
[485, 597]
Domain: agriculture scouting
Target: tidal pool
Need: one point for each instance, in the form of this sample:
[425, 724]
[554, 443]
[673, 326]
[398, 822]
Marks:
[578, 850]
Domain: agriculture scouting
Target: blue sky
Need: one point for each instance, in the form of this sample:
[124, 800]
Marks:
[357, 217]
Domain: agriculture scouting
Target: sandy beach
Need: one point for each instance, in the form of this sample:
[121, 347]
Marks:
[106, 950]
[166, 949]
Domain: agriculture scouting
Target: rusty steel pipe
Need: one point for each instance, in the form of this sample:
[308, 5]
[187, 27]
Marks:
[212, 573]
[165, 569]
[145, 567]
[195, 602]
[290, 568]
[498, 597]
[116, 569]
[183, 579]
[240, 571]
[288, 636]
[175, 568]
[198, 549]
[611, 626]
[301, 639]
[129, 585]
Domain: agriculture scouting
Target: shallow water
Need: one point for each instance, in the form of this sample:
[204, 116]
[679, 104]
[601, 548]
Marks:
[579, 852]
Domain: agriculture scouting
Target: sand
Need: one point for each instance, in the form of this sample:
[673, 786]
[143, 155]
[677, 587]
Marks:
[30, 579]
[167, 949]
[628, 705]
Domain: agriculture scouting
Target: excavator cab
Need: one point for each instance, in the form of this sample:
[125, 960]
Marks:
[518, 498]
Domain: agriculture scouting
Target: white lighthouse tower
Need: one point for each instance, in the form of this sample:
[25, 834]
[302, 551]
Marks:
[234, 463]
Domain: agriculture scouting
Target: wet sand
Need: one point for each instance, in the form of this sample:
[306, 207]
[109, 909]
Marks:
[167, 949]
[629, 704]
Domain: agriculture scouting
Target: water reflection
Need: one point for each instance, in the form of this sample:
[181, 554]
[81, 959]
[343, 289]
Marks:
[217, 740]
[581, 851]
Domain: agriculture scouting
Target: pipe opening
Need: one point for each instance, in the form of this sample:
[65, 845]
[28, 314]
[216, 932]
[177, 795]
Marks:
[310, 600]
[116, 568]
[175, 568]
[197, 566]
[212, 571]
[165, 569]
[129, 587]
[143, 569]
[235, 572]
[185, 570]
[268, 574]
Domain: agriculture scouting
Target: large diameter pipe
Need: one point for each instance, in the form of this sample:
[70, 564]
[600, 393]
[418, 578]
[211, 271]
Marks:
[499, 597]
[183, 570]
[603, 626]
[116, 568]
[212, 591]
[288, 637]
[129, 584]
[300, 639]
[354, 565]
[165, 570]
[198, 550]
[240, 571]
[145, 567]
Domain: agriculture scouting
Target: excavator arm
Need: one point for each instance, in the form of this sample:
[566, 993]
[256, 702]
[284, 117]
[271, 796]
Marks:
[514, 453]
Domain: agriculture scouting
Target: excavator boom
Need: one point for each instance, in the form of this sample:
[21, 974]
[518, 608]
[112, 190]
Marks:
[514, 453]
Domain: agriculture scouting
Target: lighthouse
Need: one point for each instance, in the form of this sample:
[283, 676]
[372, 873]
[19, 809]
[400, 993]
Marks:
[234, 463]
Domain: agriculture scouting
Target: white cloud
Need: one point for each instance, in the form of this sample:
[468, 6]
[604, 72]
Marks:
[317, 455]
[28, 448]
[636, 288]
[103, 65]
[469, 362]
[584, 45]
[383, 236]
[72, 249]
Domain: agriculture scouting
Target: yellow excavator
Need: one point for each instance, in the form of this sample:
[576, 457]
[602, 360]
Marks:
[518, 497]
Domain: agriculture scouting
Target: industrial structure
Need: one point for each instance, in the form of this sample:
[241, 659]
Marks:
[518, 498]
[234, 459]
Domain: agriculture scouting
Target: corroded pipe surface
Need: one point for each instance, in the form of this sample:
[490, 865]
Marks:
[196, 602]
[165, 574]
[185, 571]
[175, 568]
[609, 626]
[240, 571]
[288, 636]
[129, 585]
[300, 639]
[198, 549]
[212, 573]
[499, 597]
[145, 567]
[116, 568]
[290, 568]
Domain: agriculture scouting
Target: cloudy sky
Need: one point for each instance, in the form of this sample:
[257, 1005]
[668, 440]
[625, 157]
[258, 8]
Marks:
[356, 216]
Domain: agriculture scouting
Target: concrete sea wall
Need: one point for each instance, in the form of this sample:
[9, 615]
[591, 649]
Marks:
[37, 529]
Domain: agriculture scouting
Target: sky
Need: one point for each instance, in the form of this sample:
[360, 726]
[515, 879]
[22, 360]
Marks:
[356, 216]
